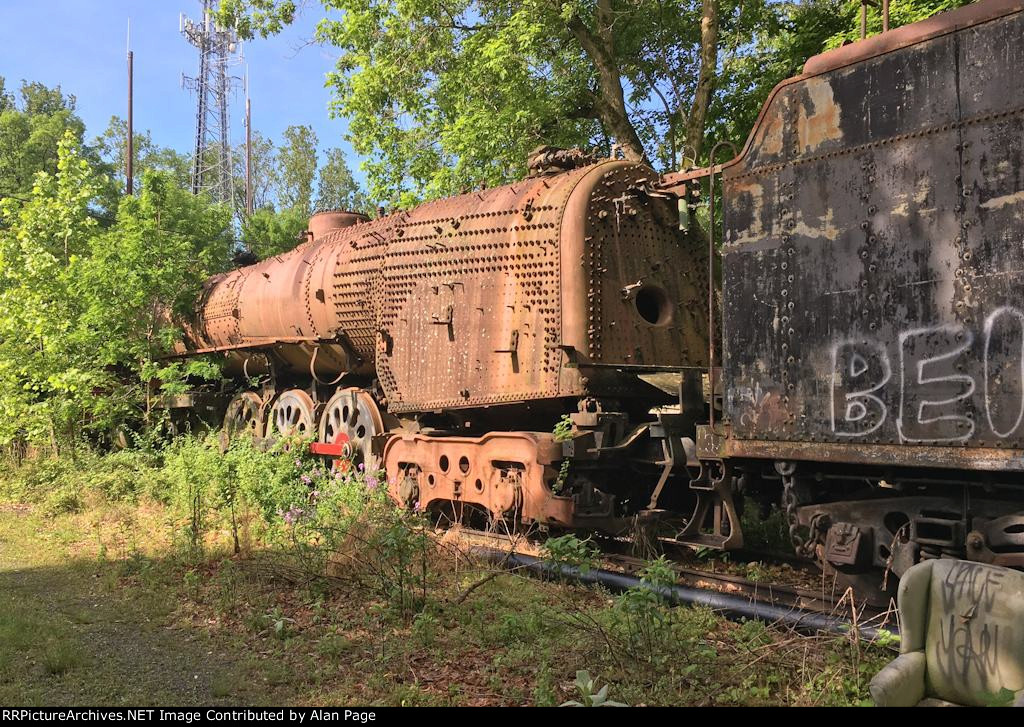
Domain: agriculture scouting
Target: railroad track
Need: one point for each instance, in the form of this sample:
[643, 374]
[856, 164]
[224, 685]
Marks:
[734, 595]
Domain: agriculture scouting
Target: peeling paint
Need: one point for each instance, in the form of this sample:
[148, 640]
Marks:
[770, 136]
[822, 123]
[1003, 201]
[824, 230]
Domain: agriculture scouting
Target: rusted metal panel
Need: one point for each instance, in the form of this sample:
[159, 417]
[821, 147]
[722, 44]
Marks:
[632, 283]
[482, 293]
[985, 459]
[873, 257]
[948, 22]
[470, 304]
[483, 298]
[502, 472]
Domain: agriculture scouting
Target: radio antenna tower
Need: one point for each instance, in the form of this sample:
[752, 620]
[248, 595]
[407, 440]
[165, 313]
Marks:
[211, 163]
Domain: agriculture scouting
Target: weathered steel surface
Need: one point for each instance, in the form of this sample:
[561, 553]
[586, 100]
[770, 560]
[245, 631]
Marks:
[948, 22]
[482, 292]
[873, 255]
[984, 459]
[504, 473]
[483, 298]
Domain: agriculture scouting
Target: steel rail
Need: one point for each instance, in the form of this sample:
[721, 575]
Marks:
[733, 607]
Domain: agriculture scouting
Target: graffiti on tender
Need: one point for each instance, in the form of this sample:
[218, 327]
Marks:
[859, 369]
[933, 382]
[762, 408]
[970, 635]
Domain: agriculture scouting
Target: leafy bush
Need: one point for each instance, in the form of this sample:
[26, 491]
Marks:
[65, 499]
[569, 550]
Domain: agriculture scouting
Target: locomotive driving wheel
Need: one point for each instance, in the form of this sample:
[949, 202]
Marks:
[293, 413]
[354, 413]
[244, 416]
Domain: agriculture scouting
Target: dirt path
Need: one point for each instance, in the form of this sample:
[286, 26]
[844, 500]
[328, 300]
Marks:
[70, 635]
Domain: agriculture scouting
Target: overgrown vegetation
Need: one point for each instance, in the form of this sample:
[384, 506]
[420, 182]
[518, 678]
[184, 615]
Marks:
[311, 587]
[443, 96]
[94, 286]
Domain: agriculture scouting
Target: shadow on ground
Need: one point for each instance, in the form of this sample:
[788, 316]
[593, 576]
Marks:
[71, 635]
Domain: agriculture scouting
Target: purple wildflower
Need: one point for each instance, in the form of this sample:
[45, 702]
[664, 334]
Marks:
[298, 463]
[294, 514]
[416, 507]
[362, 466]
[306, 480]
[371, 482]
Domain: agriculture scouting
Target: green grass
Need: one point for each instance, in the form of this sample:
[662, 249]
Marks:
[108, 606]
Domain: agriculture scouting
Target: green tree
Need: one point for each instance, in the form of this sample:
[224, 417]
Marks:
[6, 99]
[297, 162]
[46, 382]
[782, 37]
[112, 146]
[264, 173]
[30, 131]
[441, 96]
[267, 233]
[337, 187]
[141, 275]
[903, 12]
[86, 311]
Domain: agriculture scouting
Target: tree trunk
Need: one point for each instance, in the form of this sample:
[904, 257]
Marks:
[609, 101]
[697, 119]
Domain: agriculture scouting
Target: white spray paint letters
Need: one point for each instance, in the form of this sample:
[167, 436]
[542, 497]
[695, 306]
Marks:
[929, 384]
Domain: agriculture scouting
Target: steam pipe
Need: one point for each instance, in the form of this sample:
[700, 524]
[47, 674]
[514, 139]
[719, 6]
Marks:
[732, 607]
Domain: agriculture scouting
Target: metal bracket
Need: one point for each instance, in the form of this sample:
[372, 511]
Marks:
[714, 499]
[513, 343]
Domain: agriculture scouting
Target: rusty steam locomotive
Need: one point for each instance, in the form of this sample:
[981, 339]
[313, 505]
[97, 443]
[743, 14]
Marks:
[871, 323]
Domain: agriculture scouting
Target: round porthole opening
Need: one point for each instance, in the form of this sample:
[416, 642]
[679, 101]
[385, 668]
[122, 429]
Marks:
[653, 305]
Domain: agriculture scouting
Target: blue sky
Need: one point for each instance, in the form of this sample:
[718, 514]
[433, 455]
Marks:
[81, 45]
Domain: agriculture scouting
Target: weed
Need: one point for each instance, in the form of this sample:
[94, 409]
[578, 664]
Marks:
[425, 628]
[335, 646]
[642, 615]
[757, 573]
[223, 685]
[344, 555]
[544, 694]
[563, 429]
[278, 625]
[587, 696]
[61, 656]
[568, 550]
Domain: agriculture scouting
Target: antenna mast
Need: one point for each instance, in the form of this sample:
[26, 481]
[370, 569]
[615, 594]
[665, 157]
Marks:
[211, 162]
[130, 152]
[248, 149]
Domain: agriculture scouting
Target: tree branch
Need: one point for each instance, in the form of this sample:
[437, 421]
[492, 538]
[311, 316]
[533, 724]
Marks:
[706, 80]
[610, 103]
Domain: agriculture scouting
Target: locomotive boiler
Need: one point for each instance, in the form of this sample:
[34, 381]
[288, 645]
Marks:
[448, 341]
